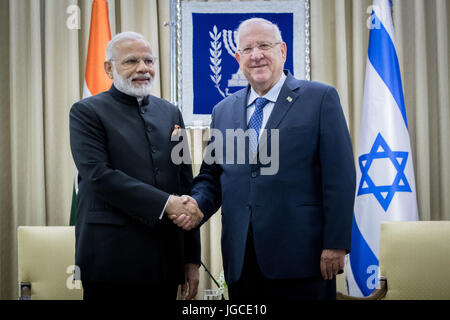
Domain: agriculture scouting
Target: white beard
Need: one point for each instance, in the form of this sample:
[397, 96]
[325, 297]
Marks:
[126, 86]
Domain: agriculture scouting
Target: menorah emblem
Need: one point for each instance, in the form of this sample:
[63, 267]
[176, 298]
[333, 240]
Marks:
[229, 39]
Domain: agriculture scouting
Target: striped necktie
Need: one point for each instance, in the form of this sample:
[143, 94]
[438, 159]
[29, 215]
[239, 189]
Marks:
[255, 123]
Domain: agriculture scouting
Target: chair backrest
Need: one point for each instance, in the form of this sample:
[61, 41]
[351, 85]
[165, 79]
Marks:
[46, 260]
[415, 259]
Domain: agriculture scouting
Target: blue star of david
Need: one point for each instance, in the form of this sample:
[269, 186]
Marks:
[384, 194]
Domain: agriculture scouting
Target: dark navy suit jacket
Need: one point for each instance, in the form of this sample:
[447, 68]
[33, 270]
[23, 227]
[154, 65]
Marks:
[307, 206]
[125, 178]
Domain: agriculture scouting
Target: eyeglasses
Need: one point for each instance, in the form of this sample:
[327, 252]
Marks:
[265, 46]
[133, 61]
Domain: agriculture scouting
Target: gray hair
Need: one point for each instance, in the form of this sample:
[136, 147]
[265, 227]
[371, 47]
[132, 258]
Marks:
[244, 24]
[127, 35]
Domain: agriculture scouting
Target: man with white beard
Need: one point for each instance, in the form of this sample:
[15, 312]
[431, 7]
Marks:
[126, 246]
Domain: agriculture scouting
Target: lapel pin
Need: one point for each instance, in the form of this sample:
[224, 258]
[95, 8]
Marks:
[289, 99]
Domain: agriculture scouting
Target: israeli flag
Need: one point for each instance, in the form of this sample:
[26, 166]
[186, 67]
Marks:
[385, 189]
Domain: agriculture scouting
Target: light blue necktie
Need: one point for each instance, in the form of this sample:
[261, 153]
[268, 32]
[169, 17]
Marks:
[255, 123]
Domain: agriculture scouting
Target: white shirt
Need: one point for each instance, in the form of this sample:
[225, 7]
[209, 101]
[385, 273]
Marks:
[272, 96]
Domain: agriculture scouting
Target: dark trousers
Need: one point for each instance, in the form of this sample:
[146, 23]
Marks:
[254, 286]
[99, 291]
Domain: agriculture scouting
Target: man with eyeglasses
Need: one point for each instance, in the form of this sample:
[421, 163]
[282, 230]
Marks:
[126, 246]
[284, 235]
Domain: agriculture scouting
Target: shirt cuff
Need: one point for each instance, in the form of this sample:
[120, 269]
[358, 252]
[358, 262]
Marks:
[164, 209]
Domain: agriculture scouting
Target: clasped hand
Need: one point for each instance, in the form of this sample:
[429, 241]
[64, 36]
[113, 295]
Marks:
[184, 212]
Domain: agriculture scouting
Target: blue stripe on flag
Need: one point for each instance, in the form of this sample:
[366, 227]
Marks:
[361, 260]
[383, 56]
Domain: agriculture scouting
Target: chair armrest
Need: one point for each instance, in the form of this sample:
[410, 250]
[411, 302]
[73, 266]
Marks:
[377, 294]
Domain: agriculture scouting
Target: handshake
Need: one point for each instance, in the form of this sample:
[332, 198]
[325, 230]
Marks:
[184, 212]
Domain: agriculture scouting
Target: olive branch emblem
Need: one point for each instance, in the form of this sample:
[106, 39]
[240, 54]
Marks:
[216, 52]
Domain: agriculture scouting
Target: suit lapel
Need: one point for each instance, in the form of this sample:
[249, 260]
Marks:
[286, 99]
[240, 117]
[240, 109]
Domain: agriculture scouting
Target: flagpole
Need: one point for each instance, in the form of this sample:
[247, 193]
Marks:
[392, 11]
[173, 51]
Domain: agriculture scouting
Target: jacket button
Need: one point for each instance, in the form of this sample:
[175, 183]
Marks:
[254, 174]
[156, 171]
[154, 149]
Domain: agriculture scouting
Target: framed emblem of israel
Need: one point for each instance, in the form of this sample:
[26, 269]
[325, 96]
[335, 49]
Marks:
[206, 70]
